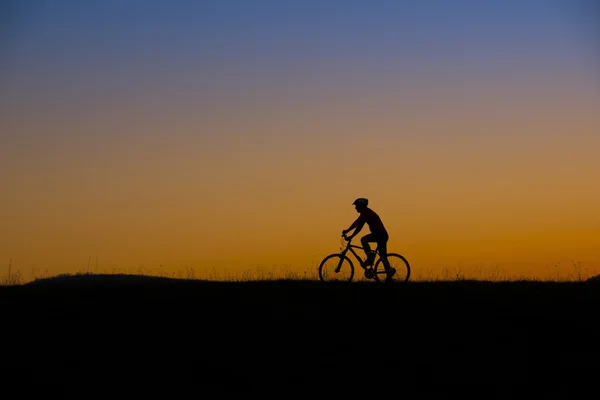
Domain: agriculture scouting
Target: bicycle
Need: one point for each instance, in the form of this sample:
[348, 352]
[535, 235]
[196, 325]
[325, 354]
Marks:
[339, 267]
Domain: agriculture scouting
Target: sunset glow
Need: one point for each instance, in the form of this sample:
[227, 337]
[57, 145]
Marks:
[222, 135]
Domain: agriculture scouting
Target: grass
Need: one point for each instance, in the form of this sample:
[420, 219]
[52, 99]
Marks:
[285, 272]
[257, 273]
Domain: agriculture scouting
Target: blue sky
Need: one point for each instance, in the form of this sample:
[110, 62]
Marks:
[268, 34]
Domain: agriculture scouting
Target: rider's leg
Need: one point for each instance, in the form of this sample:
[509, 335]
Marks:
[382, 249]
[368, 252]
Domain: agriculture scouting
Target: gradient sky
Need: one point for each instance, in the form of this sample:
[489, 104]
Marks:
[221, 135]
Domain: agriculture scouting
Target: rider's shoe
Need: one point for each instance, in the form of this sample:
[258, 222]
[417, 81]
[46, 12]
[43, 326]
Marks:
[390, 272]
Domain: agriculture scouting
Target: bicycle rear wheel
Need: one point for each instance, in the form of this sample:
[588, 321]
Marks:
[336, 267]
[399, 263]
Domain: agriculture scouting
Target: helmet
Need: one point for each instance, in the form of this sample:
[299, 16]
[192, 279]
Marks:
[361, 201]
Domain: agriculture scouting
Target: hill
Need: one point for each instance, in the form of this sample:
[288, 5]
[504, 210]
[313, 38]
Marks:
[132, 336]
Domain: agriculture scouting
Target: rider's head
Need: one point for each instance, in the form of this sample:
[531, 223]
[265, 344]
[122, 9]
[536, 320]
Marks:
[360, 204]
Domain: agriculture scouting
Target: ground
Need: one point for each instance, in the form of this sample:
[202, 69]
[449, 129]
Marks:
[140, 336]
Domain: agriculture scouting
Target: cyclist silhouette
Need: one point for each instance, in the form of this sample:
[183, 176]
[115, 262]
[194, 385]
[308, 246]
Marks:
[378, 234]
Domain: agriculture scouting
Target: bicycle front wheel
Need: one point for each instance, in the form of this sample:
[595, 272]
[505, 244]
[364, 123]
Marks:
[399, 263]
[336, 267]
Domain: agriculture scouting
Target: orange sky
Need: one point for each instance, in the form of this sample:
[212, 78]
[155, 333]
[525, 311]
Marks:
[518, 192]
[470, 170]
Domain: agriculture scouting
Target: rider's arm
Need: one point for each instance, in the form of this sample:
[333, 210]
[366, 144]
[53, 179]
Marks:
[358, 224]
[358, 229]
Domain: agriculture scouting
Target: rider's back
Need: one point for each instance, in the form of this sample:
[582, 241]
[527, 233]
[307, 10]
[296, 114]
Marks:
[372, 219]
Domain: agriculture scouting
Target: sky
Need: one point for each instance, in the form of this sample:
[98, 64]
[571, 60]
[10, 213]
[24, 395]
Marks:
[225, 136]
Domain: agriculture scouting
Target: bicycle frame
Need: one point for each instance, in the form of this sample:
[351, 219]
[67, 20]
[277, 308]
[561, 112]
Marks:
[350, 248]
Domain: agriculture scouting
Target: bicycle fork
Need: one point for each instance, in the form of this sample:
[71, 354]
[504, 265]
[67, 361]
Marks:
[339, 266]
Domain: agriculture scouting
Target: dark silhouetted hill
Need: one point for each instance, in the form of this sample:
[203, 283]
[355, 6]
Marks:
[104, 279]
[594, 279]
[136, 337]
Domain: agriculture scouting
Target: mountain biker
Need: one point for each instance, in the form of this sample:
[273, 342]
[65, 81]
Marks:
[378, 234]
